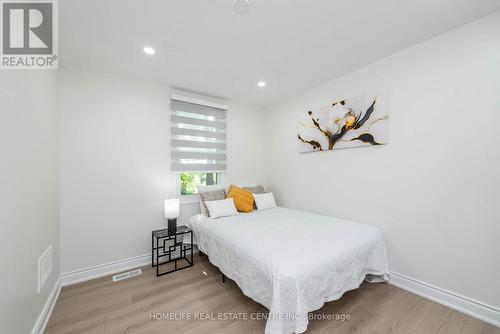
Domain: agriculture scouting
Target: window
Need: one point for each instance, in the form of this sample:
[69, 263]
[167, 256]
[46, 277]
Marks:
[189, 181]
[198, 141]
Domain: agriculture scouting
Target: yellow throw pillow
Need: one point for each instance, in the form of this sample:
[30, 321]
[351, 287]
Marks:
[243, 199]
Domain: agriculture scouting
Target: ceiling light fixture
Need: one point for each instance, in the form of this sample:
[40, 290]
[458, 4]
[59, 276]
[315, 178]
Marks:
[149, 50]
[241, 7]
[261, 84]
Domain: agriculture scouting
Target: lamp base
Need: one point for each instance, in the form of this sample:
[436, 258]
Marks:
[172, 226]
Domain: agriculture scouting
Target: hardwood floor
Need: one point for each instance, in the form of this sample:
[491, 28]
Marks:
[102, 306]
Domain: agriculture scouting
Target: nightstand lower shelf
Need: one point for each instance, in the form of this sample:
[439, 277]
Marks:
[168, 252]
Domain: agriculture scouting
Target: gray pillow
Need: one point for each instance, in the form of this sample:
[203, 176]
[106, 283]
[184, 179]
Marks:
[214, 195]
[256, 189]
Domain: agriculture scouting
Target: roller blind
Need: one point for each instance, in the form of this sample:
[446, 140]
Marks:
[198, 135]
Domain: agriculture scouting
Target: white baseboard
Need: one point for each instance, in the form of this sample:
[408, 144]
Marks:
[474, 308]
[86, 274]
[44, 316]
[105, 269]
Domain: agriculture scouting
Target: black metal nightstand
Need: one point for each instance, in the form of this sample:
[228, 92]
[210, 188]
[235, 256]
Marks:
[167, 250]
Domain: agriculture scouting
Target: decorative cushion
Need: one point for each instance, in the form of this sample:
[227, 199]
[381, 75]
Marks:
[243, 199]
[214, 195]
[256, 189]
[221, 208]
[265, 201]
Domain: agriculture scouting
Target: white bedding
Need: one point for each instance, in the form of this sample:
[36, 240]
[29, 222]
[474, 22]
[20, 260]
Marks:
[290, 261]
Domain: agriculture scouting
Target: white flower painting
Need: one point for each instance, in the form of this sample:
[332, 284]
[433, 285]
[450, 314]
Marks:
[358, 121]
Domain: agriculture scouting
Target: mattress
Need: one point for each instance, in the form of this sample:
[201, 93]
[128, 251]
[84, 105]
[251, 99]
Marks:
[291, 261]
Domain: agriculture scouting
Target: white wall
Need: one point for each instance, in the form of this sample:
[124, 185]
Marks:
[115, 164]
[28, 193]
[435, 189]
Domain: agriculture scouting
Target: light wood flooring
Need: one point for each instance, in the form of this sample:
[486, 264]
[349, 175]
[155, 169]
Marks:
[102, 306]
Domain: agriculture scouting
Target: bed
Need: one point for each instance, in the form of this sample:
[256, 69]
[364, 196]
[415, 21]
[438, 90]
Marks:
[291, 261]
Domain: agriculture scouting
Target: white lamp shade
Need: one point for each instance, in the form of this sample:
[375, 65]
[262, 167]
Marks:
[171, 208]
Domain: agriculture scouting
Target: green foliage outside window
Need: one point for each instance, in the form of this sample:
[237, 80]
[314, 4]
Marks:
[189, 181]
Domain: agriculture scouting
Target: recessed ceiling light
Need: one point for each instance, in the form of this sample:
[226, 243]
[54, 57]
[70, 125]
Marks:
[149, 50]
[261, 84]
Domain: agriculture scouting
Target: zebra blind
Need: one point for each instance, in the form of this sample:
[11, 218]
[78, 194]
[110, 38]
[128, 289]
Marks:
[198, 135]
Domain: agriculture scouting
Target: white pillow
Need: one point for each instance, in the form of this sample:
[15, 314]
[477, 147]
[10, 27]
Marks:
[222, 208]
[264, 201]
[201, 189]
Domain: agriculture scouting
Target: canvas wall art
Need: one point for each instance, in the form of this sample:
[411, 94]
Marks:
[358, 121]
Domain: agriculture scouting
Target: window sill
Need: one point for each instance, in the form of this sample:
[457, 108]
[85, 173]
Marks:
[189, 199]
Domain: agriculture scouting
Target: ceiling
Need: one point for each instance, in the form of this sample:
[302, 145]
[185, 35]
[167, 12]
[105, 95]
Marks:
[204, 47]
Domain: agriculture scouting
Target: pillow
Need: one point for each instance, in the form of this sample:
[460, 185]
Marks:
[213, 195]
[221, 208]
[256, 189]
[243, 199]
[264, 201]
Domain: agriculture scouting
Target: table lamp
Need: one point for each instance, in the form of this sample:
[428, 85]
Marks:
[171, 214]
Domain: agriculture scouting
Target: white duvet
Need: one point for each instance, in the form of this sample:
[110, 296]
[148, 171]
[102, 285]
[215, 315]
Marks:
[290, 261]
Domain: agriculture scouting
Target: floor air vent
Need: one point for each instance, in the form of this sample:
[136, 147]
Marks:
[126, 275]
